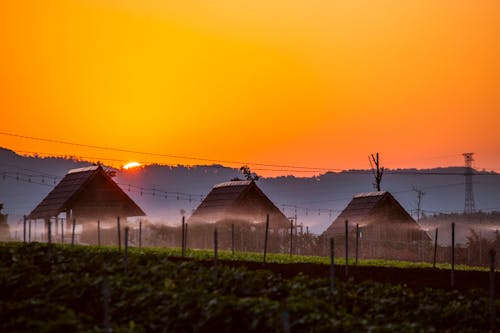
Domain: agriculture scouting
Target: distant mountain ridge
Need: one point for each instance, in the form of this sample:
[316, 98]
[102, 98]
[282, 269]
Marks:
[316, 200]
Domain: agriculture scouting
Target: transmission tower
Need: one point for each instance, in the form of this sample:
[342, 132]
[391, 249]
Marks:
[470, 206]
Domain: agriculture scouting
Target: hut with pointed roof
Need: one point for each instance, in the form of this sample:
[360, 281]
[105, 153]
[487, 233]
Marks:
[86, 195]
[384, 225]
[238, 201]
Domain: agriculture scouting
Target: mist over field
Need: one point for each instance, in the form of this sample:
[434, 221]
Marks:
[169, 191]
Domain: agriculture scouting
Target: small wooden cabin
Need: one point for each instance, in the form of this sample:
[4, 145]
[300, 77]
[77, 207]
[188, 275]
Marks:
[238, 201]
[87, 195]
[383, 223]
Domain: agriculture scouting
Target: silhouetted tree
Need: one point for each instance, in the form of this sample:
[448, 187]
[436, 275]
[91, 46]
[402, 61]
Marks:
[249, 175]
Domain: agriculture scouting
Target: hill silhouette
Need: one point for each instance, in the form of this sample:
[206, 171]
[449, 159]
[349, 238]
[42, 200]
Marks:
[163, 191]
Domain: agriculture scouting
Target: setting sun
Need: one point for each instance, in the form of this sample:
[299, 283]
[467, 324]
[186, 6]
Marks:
[131, 165]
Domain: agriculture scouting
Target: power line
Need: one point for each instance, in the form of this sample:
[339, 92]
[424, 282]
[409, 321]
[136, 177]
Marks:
[161, 155]
[280, 168]
[154, 191]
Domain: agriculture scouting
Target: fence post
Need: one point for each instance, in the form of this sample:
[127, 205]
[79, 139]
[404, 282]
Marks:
[106, 295]
[73, 233]
[118, 227]
[49, 236]
[140, 233]
[346, 248]
[98, 232]
[497, 244]
[24, 229]
[216, 255]
[435, 248]
[357, 242]
[452, 254]
[265, 237]
[332, 262]
[183, 250]
[29, 231]
[492, 291]
[291, 238]
[232, 239]
[126, 249]
[62, 231]
[185, 237]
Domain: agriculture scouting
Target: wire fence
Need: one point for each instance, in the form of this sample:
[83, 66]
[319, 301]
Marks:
[251, 237]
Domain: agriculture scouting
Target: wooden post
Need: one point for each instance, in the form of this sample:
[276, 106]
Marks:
[105, 292]
[232, 239]
[49, 231]
[497, 245]
[73, 233]
[98, 232]
[183, 250]
[492, 291]
[119, 233]
[346, 248]
[266, 237]
[29, 231]
[62, 231]
[24, 229]
[332, 262]
[357, 242]
[452, 282]
[291, 238]
[126, 249]
[140, 233]
[49, 237]
[185, 237]
[216, 255]
[435, 248]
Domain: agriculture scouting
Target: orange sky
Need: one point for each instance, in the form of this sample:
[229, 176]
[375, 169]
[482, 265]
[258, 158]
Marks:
[309, 82]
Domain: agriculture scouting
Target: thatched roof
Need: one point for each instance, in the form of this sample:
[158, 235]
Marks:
[368, 208]
[237, 200]
[73, 186]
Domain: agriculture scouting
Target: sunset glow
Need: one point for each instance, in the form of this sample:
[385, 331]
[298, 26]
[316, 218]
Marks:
[131, 165]
[312, 83]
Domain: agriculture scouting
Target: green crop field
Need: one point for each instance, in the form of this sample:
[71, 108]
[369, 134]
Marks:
[90, 289]
[202, 254]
